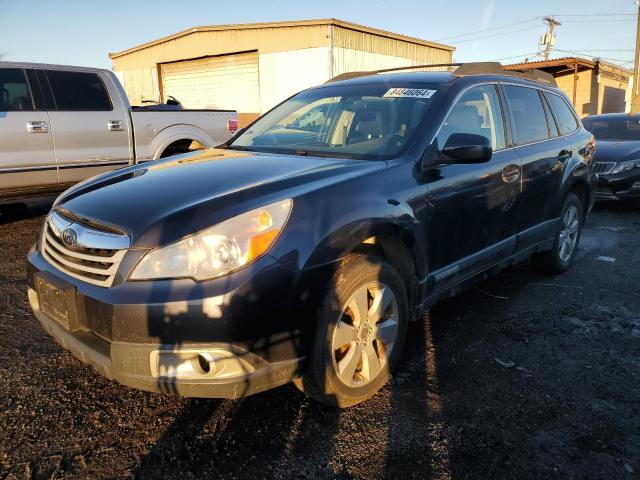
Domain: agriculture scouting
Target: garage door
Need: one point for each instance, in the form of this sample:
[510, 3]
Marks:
[224, 82]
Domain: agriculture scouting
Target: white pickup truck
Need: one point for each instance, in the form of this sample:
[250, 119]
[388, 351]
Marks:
[60, 125]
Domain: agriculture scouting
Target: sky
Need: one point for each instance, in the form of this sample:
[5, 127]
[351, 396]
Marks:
[84, 32]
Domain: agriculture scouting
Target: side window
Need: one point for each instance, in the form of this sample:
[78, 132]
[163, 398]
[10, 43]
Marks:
[566, 119]
[529, 120]
[14, 91]
[78, 91]
[478, 112]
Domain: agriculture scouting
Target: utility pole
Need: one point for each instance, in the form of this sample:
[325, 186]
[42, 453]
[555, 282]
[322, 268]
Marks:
[635, 92]
[548, 40]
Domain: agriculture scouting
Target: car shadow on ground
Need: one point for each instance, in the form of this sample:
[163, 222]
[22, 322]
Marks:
[17, 212]
[299, 438]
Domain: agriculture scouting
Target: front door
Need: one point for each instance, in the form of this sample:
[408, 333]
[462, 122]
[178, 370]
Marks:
[471, 224]
[27, 161]
[90, 130]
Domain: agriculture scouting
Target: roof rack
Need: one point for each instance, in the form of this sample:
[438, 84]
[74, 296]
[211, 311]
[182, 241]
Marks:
[463, 70]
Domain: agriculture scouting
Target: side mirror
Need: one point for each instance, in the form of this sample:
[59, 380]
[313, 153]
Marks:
[467, 148]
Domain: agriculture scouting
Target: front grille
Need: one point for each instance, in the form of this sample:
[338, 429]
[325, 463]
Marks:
[95, 257]
[604, 167]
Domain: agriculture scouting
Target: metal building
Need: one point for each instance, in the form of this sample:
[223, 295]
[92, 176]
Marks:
[593, 86]
[252, 67]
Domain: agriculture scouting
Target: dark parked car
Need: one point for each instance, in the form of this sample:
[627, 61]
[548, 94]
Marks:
[618, 154]
[300, 250]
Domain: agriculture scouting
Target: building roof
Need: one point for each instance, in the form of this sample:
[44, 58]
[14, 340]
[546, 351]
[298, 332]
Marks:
[297, 23]
[567, 64]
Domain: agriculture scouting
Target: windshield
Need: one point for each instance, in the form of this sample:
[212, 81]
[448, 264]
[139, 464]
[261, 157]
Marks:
[358, 121]
[626, 128]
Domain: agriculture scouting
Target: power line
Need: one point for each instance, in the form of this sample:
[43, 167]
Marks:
[598, 15]
[598, 21]
[577, 52]
[535, 19]
[495, 35]
[534, 54]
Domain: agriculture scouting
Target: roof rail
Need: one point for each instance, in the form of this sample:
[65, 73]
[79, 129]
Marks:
[462, 70]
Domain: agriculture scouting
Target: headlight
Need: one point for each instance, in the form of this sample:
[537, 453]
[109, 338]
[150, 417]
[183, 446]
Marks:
[625, 166]
[218, 250]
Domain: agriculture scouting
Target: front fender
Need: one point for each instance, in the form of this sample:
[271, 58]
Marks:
[338, 238]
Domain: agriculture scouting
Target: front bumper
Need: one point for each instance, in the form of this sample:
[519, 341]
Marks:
[154, 335]
[619, 186]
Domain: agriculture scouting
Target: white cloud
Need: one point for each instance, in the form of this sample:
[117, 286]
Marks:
[487, 11]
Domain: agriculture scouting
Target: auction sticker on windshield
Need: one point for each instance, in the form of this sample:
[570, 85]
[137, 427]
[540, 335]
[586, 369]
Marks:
[409, 92]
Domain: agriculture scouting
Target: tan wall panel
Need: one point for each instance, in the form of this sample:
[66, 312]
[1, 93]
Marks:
[201, 44]
[366, 42]
[586, 92]
[141, 84]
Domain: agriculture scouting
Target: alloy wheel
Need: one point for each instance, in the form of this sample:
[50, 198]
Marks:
[569, 233]
[365, 334]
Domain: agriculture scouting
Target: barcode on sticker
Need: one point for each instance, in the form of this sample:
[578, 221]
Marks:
[409, 92]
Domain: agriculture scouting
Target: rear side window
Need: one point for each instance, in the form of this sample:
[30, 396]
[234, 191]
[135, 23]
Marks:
[529, 120]
[78, 91]
[566, 119]
[478, 112]
[14, 91]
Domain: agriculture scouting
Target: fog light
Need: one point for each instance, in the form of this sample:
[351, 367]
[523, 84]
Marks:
[191, 364]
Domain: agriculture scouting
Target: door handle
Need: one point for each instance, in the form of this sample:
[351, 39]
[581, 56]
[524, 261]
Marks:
[115, 125]
[37, 127]
[564, 155]
[510, 173]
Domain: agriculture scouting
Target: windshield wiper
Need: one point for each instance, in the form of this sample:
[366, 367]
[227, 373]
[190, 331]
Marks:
[301, 152]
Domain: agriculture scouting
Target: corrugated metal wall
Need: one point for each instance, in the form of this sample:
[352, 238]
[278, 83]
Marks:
[355, 50]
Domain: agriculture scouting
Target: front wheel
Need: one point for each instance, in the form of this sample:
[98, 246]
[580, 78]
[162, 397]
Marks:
[567, 238]
[361, 329]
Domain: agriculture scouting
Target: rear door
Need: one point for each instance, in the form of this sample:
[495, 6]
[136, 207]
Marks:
[543, 153]
[27, 161]
[90, 124]
[471, 217]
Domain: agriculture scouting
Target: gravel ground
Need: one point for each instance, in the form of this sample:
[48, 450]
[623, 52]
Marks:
[524, 376]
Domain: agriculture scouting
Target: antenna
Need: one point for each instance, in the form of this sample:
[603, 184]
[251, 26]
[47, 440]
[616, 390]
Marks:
[548, 40]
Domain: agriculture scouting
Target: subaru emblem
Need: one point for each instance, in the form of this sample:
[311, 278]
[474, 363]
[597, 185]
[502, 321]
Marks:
[70, 237]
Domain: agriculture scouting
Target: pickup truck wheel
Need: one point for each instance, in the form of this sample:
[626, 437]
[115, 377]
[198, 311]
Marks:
[359, 335]
[567, 238]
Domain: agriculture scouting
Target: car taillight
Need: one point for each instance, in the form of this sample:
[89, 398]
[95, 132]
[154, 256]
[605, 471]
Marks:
[232, 126]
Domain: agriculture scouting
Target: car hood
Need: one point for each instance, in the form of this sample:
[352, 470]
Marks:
[616, 151]
[159, 202]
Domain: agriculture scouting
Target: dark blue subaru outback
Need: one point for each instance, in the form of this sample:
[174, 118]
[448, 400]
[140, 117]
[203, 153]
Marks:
[299, 250]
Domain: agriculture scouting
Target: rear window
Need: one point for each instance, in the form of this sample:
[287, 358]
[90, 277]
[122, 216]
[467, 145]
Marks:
[529, 119]
[78, 91]
[566, 119]
[14, 91]
[622, 128]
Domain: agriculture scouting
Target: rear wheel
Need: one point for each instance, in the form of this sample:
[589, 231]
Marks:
[565, 246]
[360, 333]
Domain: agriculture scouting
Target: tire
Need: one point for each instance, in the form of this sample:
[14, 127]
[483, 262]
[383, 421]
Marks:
[558, 260]
[344, 376]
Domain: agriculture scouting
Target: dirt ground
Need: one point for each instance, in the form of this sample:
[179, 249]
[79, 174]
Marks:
[523, 376]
